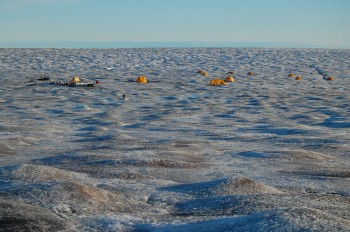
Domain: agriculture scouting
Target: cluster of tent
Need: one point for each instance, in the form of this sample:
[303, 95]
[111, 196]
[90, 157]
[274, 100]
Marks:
[299, 78]
[77, 81]
[143, 79]
[222, 82]
[215, 82]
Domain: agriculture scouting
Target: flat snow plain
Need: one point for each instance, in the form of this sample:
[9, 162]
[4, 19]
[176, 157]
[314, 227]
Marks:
[265, 153]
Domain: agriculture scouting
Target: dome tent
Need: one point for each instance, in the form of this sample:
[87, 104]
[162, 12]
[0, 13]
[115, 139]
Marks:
[75, 79]
[203, 73]
[215, 82]
[142, 79]
[230, 79]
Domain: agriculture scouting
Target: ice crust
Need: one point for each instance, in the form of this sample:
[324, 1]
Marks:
[265, 153]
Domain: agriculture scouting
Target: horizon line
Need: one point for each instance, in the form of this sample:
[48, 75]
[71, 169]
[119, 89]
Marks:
[161, 44]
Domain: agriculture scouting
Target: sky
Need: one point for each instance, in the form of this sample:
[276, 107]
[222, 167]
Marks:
[323, 23]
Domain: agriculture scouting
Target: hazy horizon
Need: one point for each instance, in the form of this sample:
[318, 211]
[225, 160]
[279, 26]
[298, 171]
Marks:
[158, 44]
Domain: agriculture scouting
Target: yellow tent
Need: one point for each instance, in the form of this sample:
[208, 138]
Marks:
[217, 82]
[142, 79]
[203, 73]
[75, 79]
[230, 79]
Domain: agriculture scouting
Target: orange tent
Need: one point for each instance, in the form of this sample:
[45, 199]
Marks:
[217, 82]
[203, 73]
[230, 79]
[142, 79]
[75, 79]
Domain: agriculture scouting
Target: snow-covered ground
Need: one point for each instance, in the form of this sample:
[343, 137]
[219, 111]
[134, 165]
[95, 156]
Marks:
[265, 153]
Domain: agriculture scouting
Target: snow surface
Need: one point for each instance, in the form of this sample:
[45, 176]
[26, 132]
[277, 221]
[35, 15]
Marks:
[265, 153]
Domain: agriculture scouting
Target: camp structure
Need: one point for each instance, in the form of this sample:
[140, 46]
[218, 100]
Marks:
[291, 75]
[250, 74]
[216, 82]
[142, 79]
[298, 78]
[330, 79]
[229, 79]
[75, 82]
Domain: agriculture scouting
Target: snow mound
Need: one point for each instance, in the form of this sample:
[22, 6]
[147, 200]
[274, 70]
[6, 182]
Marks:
[224, 186]
[57, 186]
[17, 216]
[243, 185]
[43, 173]
[300, 153]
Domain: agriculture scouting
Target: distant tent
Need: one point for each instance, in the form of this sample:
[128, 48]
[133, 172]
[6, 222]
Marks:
[291, 75]
[75, 79]
[217, 82]
[230, 79]
[330, 79]
[203, 73]
[298, 78]
[142, 79]
[250, 73]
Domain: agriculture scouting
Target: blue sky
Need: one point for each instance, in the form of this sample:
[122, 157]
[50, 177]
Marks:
[314, 22]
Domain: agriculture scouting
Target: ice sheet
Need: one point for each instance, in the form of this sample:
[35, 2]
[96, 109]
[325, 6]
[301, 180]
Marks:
[266, 152]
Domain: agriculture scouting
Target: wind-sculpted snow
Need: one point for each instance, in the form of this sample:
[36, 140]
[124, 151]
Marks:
[263, 153]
